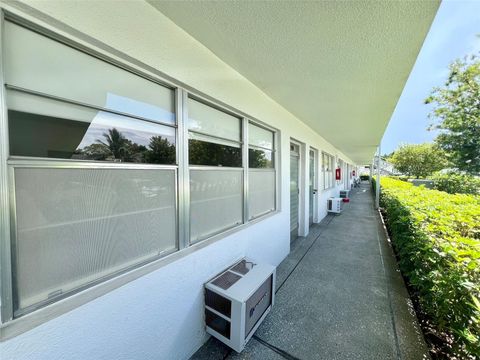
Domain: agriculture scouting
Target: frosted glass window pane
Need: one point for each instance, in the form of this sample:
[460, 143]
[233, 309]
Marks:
[42, 127]
[216, 202]
[258, 136]
[36, 62]
[261, 187]
[76, 226]
[210, 121]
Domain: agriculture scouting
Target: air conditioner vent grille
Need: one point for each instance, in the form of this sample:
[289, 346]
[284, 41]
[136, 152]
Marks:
[226, 280]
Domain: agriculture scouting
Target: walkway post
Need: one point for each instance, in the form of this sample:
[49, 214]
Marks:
[377, 180]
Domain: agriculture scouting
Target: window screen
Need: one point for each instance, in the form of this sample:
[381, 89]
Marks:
[216, 201]
[76, 226]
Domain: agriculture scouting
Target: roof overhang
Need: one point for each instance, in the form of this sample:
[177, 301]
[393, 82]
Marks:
[340, 67]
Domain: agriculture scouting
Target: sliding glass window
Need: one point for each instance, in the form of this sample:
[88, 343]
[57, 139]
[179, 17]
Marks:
[99, 180]
[92, 166]
[216, 173]
[261, 172]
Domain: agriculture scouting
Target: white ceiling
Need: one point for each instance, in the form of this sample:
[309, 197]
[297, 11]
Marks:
[339, 66]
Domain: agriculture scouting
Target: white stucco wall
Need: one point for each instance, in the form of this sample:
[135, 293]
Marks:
[160, 315]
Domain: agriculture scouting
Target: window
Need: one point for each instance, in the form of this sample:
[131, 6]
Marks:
[40, 64]
[216, 194]
[328, 170]
[96, 185]
[261, 176]
[260, 147]
[89, 217]
[341, 166]
[46, 128]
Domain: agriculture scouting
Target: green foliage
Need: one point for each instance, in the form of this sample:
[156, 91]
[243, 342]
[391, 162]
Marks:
[455, 183]
[364, 177]
[457, 111]
[437, 238]
[418, 160]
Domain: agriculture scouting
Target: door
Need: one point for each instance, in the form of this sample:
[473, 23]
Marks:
[311, 187]
[294, 189]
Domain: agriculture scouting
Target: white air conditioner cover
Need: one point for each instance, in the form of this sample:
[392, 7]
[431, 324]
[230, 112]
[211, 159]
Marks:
[335, 205]
[237, 301]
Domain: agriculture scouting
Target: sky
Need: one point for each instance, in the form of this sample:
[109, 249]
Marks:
[452, 35]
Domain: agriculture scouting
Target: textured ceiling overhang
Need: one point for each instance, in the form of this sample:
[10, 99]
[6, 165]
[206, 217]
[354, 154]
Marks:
[340, 67]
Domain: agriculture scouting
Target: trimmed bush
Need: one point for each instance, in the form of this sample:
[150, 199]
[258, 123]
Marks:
[364, 177]
[454, 183]
[437, 238]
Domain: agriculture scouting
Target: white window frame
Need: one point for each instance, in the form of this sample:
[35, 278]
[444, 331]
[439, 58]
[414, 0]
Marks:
[331, 178]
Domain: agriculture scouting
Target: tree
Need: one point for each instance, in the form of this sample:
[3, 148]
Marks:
[457, 114]
[418, 160]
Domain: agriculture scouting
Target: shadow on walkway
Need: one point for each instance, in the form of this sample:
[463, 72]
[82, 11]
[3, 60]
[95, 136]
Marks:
[339, 295]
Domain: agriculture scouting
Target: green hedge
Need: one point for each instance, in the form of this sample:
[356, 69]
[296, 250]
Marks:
[455, 183]
[437, 238]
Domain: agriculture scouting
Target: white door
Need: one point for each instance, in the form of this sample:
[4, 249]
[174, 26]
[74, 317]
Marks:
[294, 189]
[311, 187]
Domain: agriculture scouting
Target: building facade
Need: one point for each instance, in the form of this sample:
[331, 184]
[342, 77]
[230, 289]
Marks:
[135, 165]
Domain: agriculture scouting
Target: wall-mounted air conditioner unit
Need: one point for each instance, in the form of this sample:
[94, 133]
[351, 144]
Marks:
[237, 301]
[344, 193]
[335, 205]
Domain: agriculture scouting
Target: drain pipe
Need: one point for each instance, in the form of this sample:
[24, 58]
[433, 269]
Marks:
[377, 180]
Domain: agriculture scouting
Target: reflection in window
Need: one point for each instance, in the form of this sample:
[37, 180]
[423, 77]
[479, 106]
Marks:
[60, 130]
[260, 150]
[213, 154]
[259, 158]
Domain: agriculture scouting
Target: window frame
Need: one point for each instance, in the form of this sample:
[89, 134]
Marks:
[331, 165]
[275, 160]
[12, 326]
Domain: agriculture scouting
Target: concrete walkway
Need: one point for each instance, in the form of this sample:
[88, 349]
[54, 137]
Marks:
[339, 296]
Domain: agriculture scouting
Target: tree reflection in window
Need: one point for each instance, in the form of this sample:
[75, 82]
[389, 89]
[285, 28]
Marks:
[213, 154]
[118, 148]
[259, 158]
